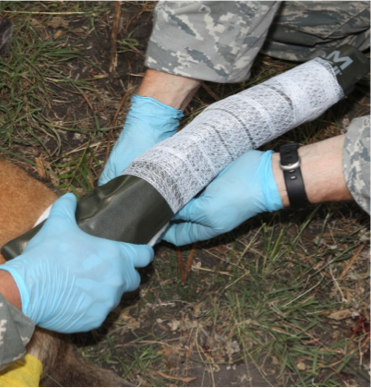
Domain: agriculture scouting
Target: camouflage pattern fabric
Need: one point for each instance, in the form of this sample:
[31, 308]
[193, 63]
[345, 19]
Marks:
[15, 332]
[219, 40]
[304, 30]
[356, 161]
[209, 40]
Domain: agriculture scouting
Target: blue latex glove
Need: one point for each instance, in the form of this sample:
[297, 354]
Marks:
[68, 280]
[243, 189]
[147, 123]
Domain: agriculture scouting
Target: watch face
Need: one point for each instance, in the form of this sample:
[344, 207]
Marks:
[290, 166]
[289, 157]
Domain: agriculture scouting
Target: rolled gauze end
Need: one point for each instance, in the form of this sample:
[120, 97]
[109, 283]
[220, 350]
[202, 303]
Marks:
[136, 206]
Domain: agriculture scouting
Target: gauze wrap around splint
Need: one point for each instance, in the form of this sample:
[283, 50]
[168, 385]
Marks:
[137, 205]
[183, 165]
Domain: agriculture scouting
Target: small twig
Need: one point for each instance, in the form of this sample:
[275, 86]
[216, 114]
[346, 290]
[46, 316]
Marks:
[306, 292]
[189, 263]
[212, 94]
[351, 261]
[230, 285]
[47, 13]
[194, 268]
[87, 101]
[185, 269]
[183, 379]
[131, 19]
[141, 75]
[115, 31]
[343, 300]
[120, 107]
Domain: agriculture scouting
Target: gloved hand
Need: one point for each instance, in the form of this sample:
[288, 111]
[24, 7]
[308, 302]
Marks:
[147, 123]
[68, 280]
[243, 189]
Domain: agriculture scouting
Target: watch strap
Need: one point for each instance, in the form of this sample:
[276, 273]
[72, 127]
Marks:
[290, 166]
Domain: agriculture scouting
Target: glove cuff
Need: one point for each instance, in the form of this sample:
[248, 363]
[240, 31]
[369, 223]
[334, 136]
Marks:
[271, 194]
[146, 104]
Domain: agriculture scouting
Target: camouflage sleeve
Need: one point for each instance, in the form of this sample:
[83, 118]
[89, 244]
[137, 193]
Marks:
[356, 161]
[209, 40]
[302, 30]
[219, 40]
[15, 332]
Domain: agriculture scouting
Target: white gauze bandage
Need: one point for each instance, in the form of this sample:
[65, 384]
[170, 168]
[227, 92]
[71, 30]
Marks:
[183, 165]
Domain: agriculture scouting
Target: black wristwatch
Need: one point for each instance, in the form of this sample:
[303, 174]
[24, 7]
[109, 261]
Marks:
[290, 165]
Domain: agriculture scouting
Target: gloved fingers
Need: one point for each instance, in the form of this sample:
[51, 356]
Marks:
[62, 216]
[63, 210]
[119, 156]
[187, 233]
[141, 255]
[106, 175]
[117, 163]
[132, 283]
[190, 212]
[147, 123]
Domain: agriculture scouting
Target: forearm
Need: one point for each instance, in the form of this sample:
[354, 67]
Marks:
[169, 89]
[321, 168]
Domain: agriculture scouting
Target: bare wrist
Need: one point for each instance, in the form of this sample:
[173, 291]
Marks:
[9, 289]
[321, 168]
[280, 181]
[169, 89]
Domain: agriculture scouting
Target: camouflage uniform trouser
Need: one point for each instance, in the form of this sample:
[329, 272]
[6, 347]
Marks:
[219, 40]
[356, 161]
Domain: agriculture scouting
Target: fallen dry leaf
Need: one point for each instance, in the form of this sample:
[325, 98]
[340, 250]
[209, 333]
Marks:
[174, 325]
[131, 321]
[275, 360]
[301, 366]
[57, 21]
[197, 310]
[57, 34]
[166, 351]
[41, 170]
[277, 328]
[340, 315]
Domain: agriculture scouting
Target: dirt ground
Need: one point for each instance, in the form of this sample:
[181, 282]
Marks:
[233, 321]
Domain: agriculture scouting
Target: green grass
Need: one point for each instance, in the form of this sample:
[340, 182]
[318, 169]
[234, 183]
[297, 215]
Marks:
[257, 297]
[37, 82]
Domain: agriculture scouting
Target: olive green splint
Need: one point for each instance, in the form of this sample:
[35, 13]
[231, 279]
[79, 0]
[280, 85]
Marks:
[126, 209]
